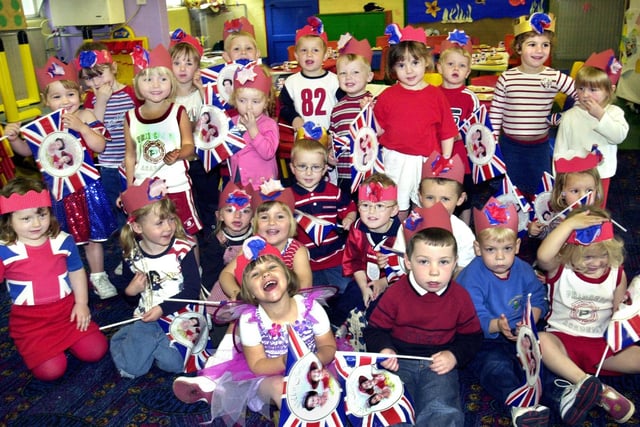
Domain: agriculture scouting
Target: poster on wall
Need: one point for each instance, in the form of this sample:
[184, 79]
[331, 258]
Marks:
[458, 11]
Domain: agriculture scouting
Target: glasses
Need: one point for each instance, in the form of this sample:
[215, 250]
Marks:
[313, 168]
[376, 207]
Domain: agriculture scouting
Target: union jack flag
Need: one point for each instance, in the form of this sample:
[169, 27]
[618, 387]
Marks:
[222, 148]
[585, 200]
[212, 86]
[188, 331]
[541, 202]
[624, 327]
[45, 130]
[509, 193]
[488, 163]
[395, 408]
[363, 125]
[317, 229]
[393, 270]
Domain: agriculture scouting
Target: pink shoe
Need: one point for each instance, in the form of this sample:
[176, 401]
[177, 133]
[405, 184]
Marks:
[194, 389]
[619, 407]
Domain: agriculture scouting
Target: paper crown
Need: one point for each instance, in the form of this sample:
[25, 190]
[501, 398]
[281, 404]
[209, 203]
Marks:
[573, 161]
[237, 25]
[348, 44]
[408, 33]
[273, 191]
[55, 70]
[375, 192]
[496, 214]
[607, 62]
[314, 27]
[235, 195]
[180, 36]
[421, 218]
[252, 76]
[138, 196]
[157, 57]
[252, 248]
[538, 22]
[594, 234]
[456, 39]
[91, 58]
[30, 199]
[310, 130]
[436, 166]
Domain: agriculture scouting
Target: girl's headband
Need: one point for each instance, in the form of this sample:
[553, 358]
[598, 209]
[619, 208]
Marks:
[254, 77]
[594, 234]
[376, 192]
[30, 199]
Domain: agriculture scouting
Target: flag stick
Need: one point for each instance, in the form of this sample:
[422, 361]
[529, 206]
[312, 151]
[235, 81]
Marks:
[124, 322]
[619, 226]
[568, 208]
[604, 356]
[390, 356]
[196, 301]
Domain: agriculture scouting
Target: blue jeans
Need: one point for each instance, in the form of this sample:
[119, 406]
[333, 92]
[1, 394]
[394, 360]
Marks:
[113, 186]
[436, 398]
[331, 276]
[525, 163]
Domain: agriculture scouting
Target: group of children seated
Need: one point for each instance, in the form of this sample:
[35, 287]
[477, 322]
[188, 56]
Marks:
[397, 246]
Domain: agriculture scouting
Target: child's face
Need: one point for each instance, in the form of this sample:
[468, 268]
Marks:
[377, 215]
[156, 232]
[309, 168]
[410, 72]
[242, 47]
[235, 220]
[60, 97]
[31, 225]
[432, 266]
[576, 186]
[310, 52]
[535, 51]
[431, 192]
[353, 76]
[595, 261]
[267, 281]
[107, 78]
[154, 87]
[588, 95]
[497, 256]
[455, 69]
[273, 226]
[184, 68]
[250, 100]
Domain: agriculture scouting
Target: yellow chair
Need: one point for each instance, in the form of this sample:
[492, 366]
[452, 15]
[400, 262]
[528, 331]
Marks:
[434, 79]
[561, 97]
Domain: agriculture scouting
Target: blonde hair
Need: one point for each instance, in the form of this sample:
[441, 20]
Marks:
[309, 146]
[352, 57]
[183, 49]
[266, 206]
[406, 50]
[380, 178]
[236, 34]
[292, 280]
[454, 49]
[595, 78]
[558, 202]
[160, 71]
[164, 208]
[309, 37]
[270, 106]
[498, 234]
[458, 187]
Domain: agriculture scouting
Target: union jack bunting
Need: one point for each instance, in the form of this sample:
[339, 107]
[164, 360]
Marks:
[528, 351]
[541, 203]
[368, 160]
[509, 193]
[482, 149]
[317, 229]
[188, 331]
[373, 397]
[306, 403]
[62, 178]
[624, 327]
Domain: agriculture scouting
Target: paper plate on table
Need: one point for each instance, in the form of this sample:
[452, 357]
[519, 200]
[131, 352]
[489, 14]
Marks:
[480, 89]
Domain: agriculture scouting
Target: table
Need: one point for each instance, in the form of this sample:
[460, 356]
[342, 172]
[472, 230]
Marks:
[490, 60]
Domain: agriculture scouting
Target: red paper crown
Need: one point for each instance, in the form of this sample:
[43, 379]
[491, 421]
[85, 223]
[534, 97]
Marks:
[421, 218]
[273, 190]
[496, 214]
[436, 166]
[180, 36]
[55, 70]
[235, 195]
[252, 248]
[376, 192]
[314, 28]
[157, 57]
[577, 163]
[348, 44]
[411, 34]
[594, 234]
[252, 76]
[91, 58]
[456, 39]
[138, 196]
[30, 199]
[607, 62]
[237, 25]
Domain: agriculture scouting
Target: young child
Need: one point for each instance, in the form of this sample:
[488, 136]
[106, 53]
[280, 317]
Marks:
[311, 94]
[442, 181]
[159, 136]
[60, 89]
[252, 97]
[414, 116]
[454, 64]
[523, 99]
[375, 242]
[595, 120]
[426, 313]
[353, 68]
[48, 316]
[321, 199]
[162, 264]
[239, 41]
[499, 283]
[109, 99]
[583, 262]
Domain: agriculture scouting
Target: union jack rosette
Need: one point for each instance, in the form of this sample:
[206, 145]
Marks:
[482, 149]
[218, 83]
[509, 193]
[216, 137]
[65, 164]
[542, 211]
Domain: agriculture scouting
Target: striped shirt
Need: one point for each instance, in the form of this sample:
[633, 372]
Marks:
[343, 114]
[522, 102]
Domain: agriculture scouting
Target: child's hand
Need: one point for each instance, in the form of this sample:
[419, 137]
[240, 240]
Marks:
[382, 259]
[348, 221]
[332, 159]
[378, 287]
[12, 131]
[443, 362]
[152, 315]
[137, 284]
[593, 108]
[584, 220]
[534, 228]
[82, 316]
[172, 156]
[367, 295]
[104, 92]
[366, 101]
[71, 121]
[249, 121]
[197, 81]
[391, 363]
[505, 329]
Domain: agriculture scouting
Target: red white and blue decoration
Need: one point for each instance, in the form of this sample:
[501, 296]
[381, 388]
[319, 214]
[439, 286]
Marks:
[307, 403]
[188, 332]
[528, 352]
[373, 397]
[542, 211]
[482, 149]
[394, 270]
[218, 83]
[67, 167]
[509, 193]
[216, 137]
[317, 229]
[624, 326]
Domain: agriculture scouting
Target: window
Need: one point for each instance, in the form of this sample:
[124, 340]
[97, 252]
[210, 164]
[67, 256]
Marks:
[174, 3]
[31, 8]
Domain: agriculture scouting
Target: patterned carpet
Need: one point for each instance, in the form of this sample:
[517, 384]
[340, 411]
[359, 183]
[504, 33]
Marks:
[95, 395]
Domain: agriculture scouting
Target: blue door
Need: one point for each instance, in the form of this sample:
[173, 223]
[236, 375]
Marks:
[283, 18]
